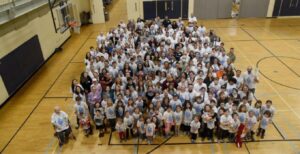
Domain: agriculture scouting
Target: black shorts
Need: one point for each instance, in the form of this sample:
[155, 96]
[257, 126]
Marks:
[99, 126]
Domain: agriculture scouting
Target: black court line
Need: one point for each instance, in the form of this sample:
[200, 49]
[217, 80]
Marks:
[39, 102]
[138, 145]
[255, 40]
[278, 130]
[264, 58]
[160, 144]
[188, 143]
[69, 63]
[272, 122]
[57, 97]
[109, 140]
[77, 62]
[247, 148]
[272, 53]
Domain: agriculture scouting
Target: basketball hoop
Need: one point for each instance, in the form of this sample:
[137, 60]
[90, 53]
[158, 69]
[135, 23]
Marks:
[75, 26]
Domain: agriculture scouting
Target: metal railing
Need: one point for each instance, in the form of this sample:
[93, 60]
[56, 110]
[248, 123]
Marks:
[11, 9]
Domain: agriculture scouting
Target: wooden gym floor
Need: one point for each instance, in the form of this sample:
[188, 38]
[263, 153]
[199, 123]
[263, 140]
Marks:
[273, 45]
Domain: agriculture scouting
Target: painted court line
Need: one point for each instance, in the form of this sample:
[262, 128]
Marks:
[283, 100]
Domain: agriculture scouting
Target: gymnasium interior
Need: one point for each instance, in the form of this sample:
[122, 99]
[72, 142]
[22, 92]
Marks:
[44, 45]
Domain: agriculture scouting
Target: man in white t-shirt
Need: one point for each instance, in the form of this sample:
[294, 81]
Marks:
[250, 79]
[60, 121]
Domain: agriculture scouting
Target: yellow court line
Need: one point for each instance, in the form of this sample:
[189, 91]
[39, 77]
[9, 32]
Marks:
[275, 90]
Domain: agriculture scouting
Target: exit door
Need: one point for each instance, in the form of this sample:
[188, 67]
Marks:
[287, 8]
[170, 8]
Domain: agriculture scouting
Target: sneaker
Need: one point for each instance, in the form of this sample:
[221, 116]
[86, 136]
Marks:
[193, 141]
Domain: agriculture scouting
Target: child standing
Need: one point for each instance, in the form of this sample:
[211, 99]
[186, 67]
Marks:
[110, 112]
[234, 125]
[141, 128]
[178, 119]
[99, 122]
[241, 129]
[86, 124]
[128, 121]
[168, 120]
[265, 120]
[187, 117]
[195, 125]
[225, 121]
[268, 107]
[120, 127]
[211, 120]
[150, 130]
[257, 109]
[250, 124]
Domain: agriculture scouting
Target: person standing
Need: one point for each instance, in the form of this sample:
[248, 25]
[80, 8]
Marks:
[195, 125]
[80, 107]
[93, 97]
[250, 79]
[60, 121]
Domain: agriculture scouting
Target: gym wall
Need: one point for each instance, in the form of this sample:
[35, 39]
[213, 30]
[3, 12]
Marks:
[13, 34]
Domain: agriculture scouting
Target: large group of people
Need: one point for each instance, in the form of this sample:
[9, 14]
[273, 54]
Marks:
[160, 78]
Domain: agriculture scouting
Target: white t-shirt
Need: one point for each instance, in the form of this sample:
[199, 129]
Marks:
[120, 127]
[128, 120]
[251, 121]
[141, 126]
[195, 127]
[150, 129]
[188, 117]
[225, 122]
[249, 79]
[60, 121]
[178, 117]
[168, 117]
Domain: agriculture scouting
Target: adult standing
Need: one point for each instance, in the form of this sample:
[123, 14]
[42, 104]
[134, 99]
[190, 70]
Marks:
[93, 97]
[250, 79]
[61, 124]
